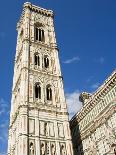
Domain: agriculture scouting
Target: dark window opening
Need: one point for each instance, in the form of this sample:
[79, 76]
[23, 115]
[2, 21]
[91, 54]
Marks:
[43, 37]
[37, 91]
[40, 35]
[49, 93]
[37, 60]
[46, 62]
[36, 33]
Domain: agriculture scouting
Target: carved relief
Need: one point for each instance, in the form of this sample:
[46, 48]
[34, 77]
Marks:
[110, 134]
[57, 95]
[39, 18]
[42, 148]
[52, 64]
[48, 148]
[51, 126]
[92, 147]
[44, 128]
[62, 149]
[53, 149]
[41, 128]
[31, 148]
[60, 130]
[31, 126]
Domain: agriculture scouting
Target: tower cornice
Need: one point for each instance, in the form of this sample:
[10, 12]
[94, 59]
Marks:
[36, 9]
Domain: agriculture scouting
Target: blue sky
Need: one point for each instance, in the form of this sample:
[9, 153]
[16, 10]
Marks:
[86, 36]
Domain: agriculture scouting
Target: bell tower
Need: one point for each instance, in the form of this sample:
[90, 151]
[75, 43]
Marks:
[39, 122]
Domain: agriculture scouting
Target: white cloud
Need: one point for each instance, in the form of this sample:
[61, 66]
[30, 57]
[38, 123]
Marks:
[74, 105]
[95, 86]
[68, 61]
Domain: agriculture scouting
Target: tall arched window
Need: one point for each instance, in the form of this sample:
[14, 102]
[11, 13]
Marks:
[37, 91]
[49, 92]
[39, 34]
[46, 61]
[37, 59]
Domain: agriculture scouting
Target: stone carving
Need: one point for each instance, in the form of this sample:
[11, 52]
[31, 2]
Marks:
[63, 150]
[46, 129]
[92, 148]
[51, 126]
[56, 96]
[60, 130]
[52, 64]
[47, 146]
[53, 149]
[31, 149]
[31, 126]
[110, 134]
[41, 127]
[84, 97]
[43, 148]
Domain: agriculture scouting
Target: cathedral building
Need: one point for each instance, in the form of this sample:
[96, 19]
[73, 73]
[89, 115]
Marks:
[39, 123]
[94, 127]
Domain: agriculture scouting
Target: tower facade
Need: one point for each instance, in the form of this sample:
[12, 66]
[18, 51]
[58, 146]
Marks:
[39, 122]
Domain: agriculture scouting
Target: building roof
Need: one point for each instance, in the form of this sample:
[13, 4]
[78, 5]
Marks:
[96, 97]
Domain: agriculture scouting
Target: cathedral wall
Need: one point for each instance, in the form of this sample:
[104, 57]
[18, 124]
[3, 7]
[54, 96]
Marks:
[95, 132]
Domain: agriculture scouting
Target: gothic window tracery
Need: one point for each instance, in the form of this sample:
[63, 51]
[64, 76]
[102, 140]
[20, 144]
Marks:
[37, 91]
[39, 34]
[36, 59]
[49, 93]
[46, 61]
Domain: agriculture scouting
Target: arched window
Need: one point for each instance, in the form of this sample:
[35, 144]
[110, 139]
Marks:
[46, 61]
[37, 91]
[49, 93]
[37, 59]
[39, 34]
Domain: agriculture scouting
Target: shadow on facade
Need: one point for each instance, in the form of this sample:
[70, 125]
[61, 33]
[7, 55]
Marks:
[76, 138]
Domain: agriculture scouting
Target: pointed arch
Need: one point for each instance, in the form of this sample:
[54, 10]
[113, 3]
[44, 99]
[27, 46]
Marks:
[48, 92]
[37, 91]
[46, 61]
[39, 32]
[36, 59]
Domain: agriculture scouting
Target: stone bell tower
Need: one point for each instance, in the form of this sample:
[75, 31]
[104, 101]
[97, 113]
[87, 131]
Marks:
[39, 122]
